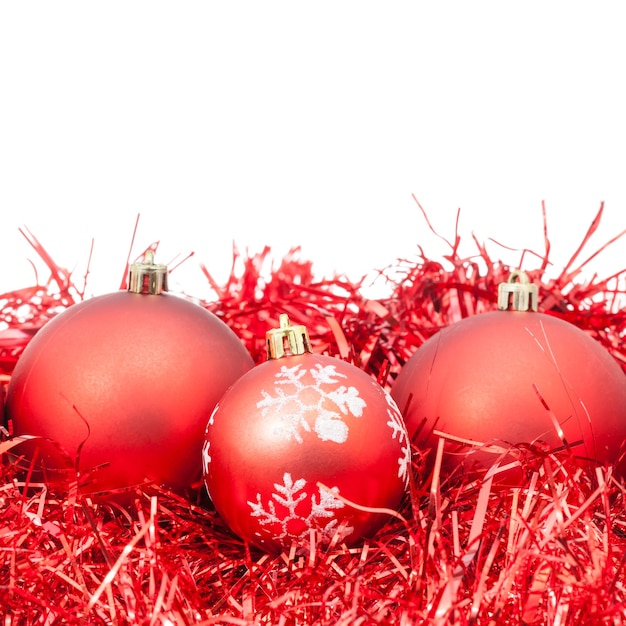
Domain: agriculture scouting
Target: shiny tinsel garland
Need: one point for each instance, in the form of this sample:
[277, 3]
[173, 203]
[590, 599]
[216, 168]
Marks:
[552, 551]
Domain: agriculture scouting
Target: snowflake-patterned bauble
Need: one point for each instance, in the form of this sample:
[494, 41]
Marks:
[305, 447]
[507, 386]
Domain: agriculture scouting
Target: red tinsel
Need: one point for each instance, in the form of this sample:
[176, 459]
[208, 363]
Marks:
[552, 551]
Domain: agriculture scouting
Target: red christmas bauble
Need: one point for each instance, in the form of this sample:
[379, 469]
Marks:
[514, 382]
[120, 387]
[299, 438]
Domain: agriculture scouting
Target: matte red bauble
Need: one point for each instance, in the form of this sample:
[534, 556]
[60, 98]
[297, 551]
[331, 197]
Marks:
[513, 380]
[120, 386]
[299, 438]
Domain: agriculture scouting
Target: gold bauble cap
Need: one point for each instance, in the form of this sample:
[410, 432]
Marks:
[147, 276]
[287, 340]
[517, 293]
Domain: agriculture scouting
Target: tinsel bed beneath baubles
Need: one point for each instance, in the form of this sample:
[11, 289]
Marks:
[458, 549]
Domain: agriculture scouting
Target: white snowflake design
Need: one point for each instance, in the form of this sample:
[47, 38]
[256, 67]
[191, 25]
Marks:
[287, 402]
[291, 494]
[398, 429]
[206, 446]
[206, 456]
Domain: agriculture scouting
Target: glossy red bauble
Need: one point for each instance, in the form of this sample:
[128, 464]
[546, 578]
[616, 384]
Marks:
[296, 440]
[513, 380]
[120, 387]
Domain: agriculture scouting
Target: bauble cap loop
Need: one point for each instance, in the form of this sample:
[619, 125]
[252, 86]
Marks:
[147, 276]
[287, 340]
[519, 292]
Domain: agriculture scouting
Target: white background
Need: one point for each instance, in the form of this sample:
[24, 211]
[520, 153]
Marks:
[311, 124]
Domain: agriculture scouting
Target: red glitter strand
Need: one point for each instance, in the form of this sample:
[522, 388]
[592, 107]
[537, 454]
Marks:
[548, 551]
